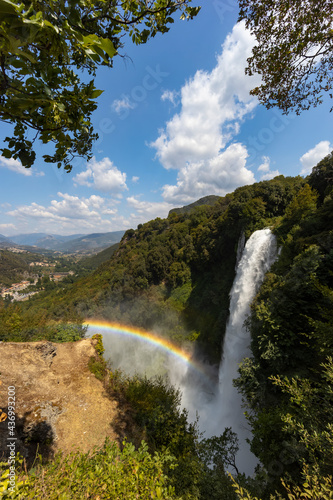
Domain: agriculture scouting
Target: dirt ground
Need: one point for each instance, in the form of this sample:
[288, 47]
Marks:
[59, 403]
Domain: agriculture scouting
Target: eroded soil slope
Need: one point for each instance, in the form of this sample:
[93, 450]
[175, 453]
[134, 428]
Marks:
[59, 402]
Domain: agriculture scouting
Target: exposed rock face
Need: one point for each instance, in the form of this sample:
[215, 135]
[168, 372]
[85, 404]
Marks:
[59, 404]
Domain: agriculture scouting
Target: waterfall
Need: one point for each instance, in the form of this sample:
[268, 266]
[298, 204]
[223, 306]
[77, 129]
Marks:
[223, 408]
[240, 248]
[258, 255]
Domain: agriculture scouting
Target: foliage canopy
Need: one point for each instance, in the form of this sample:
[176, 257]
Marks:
[42, 46]
[294, 51]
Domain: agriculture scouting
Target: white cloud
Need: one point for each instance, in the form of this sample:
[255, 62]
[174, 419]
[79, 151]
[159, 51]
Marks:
[102, 175]
[219, 175]
[213, 105]
[6, 227]
[314, 155]
[265, 167]
[171, 95]
[147, 210]
[73, 207]
[120, 104]
[15, 166]
[109, 211]
[135, 178]
[270, 175]
[68, 214]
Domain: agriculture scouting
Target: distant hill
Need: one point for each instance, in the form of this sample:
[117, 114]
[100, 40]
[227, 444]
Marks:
[68, 244]
[4, 241]
[15, 266]
[12, 267]
[91, 242]
[42, 239]
[206, 200]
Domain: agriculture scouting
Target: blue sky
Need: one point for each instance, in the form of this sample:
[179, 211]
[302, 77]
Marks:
[176, 122]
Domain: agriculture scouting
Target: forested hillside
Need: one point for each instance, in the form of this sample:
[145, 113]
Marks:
[172, 275]
[14, 266]
[91, 263]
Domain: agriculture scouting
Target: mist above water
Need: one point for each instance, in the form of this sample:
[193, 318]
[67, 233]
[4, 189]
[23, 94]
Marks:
[218, 405]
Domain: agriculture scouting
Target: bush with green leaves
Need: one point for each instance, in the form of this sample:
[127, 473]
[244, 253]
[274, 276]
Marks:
[65, 332]
[105, 473]
[99, 348]
[156, 409]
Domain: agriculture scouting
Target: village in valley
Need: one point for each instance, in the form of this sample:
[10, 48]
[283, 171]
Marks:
[35, 275]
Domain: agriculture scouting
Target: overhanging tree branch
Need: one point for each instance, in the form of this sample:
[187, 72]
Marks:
[286, 33]
[41, 43]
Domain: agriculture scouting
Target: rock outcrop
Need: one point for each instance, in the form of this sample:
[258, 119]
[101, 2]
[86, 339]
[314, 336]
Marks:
[59, 403]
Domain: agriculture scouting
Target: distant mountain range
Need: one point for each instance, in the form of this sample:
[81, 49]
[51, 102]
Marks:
[83, 243]
[3, 238]
[38, 239]
[73, 243]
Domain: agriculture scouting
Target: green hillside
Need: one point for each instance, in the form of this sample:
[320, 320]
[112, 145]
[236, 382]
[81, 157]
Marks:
[91, 263]
[173, 274]
[206, 200]
[14, 266]
[288, 381]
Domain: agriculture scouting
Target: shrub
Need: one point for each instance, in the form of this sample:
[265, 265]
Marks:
[97, 366]
[106, 473]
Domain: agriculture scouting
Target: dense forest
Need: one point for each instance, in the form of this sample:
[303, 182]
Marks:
[174, 276]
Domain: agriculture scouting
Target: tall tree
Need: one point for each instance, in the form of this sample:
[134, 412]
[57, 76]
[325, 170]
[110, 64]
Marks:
[294, 51]
[43, 44]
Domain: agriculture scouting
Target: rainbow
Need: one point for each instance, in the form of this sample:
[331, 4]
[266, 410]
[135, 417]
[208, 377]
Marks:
[151, 338]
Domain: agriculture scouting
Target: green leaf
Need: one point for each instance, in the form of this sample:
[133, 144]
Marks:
[61, 107]
[96, 93]
[26, 55]
[47, 23]
[7, 7]
[107, 46]
[6, 153]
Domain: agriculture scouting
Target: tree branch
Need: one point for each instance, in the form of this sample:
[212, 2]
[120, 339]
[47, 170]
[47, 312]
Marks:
[143, 14]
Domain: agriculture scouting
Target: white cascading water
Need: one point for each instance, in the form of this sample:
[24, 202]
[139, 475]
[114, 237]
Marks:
[258, 256]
